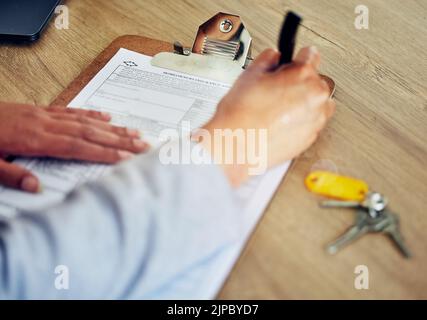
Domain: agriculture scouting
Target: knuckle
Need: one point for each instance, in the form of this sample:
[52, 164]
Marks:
[324, 86]
[82, 119]
[93, 114]
[120, 131]
[87, 132]
[323, 118]
[319, 88]
[305, 69]
[72, 111]
[126, 143]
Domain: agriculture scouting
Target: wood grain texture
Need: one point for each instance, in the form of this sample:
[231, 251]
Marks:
[378, 134]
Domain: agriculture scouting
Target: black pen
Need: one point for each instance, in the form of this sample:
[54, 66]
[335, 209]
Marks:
[288, 37]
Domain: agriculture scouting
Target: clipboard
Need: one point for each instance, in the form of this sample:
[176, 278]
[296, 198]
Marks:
[221, 51]
[210, 59]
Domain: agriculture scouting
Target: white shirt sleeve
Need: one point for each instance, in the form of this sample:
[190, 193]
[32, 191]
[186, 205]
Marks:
[126, 236]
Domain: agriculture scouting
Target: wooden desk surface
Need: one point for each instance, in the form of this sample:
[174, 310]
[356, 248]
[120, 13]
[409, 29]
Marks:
[378, 134]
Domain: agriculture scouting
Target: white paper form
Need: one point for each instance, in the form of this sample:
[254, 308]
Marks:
[137, 95]
[150, 99]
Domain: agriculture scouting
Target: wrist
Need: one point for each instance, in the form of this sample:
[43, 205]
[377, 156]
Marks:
[211, 138]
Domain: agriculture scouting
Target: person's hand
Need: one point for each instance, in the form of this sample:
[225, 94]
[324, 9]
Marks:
[293, 103]
[61, 133]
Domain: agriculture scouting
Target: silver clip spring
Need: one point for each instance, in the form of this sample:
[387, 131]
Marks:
[220, 48]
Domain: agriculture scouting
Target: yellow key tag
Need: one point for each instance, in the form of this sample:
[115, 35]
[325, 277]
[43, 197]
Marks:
[338, 187]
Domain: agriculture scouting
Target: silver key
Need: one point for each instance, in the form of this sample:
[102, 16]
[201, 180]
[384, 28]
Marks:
[364, 224]
[374, 203]
[372, 216]
[387, 223]
[339, 204]
[393, 231]
[360, 228]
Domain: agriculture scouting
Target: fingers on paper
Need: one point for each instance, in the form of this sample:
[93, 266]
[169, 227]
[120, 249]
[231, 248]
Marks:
[102, 116]
[14, 176]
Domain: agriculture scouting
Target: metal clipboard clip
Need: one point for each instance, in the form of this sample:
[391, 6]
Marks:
[221, 50]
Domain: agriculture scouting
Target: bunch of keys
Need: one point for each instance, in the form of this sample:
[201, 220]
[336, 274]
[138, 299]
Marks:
[372, 214]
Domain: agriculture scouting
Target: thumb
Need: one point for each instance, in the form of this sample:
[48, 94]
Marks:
[266, 61]
[16, 177]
